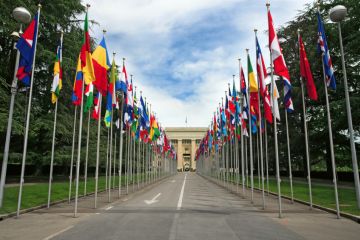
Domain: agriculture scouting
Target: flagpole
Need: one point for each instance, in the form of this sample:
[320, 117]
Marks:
[87, 152]
[261, 140]
[266, 159]
[251, 147]
[98, 150]
[107, 160]
[333, 164]
[114, 171]
[79, 141]
[72, 154]
[28, 119]
[289, 157]
[128, 160]
[306, 133]
[111, 142]
[138, 166]
[52, 155]
[275, 129]
[242, 136]
[53, 138]
[121, 140]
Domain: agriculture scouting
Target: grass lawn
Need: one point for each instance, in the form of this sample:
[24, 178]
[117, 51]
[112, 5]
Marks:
[36, 194]
[322, 195]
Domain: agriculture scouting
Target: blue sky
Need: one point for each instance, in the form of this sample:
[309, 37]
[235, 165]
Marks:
[183, 53]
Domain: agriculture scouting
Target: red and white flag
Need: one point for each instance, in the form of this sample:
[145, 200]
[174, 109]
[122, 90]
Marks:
[280, 67]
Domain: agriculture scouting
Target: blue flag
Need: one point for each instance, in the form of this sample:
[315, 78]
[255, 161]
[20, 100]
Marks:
[26, 46]
[324, 50]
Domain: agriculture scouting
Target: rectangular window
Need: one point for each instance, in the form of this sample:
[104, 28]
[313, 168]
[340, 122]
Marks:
[186, 141]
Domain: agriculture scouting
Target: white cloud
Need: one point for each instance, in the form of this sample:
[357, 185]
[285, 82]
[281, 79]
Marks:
[145, 31]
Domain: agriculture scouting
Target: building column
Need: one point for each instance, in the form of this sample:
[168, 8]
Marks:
[180, 155]
[193, 151]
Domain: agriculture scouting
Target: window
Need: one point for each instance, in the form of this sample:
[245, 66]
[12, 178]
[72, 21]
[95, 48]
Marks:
[198, 141]
[186, 141]
[174, 141]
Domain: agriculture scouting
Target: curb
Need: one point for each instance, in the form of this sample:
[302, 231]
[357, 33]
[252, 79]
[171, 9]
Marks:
[325, 209]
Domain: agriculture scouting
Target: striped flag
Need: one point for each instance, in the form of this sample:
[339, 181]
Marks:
[280, 67]
[57, 81]
[324, 50]
[262, 74]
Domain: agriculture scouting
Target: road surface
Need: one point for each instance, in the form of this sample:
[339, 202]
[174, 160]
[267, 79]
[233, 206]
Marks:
[188, 206]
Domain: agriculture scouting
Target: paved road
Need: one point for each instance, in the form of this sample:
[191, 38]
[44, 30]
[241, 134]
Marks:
[185, 206]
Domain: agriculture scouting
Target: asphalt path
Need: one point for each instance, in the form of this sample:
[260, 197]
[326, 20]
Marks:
[185, 206]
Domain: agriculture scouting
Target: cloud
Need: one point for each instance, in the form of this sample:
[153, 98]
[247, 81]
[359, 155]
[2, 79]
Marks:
[183, 53]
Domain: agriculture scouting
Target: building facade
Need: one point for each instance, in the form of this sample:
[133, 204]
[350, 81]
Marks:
[185, 140]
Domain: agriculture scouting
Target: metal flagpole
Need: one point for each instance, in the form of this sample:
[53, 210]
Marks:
[331, 147]
[242, 137]
[52, 155]
[266, 159]
[138, 166]
[330, 136]
[9, 126]
[306, 143]
[275, 129]
[110, 155]
[128, 160]
[258, 157]
[53, 139]
[121, 140]
[79, 141]
[251, 148]
[87, 151]
[72, 154]
[289, 157]
[261, 140]
[246, 162]
[28, 120]
[306, 136]
[107, 160]
[98, 150]
[132, 164]
[114, 168]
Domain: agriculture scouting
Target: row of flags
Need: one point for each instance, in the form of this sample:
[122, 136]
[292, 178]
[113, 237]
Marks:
[243, 107]
[101, 79]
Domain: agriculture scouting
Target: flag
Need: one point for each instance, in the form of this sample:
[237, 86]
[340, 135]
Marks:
[324, 50]
[262, 74]
[85, 55]
[280, 67]
[254, 97]
[89, 93]
[143, 114]
[244, 92]
[26, 46]
[101, 63]
[121, 85]
[57, 81]
[95, 113]
[144, 120]
[110, 98]
[128, 111]
[305, 71]
[77, 87]
[116, 116]
[275, 104]
[135, 116]
[154, 131]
